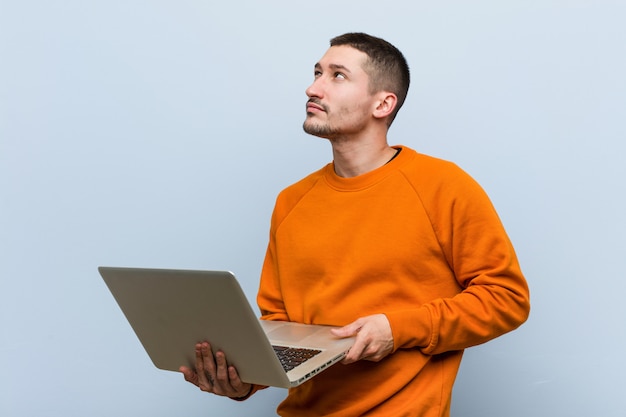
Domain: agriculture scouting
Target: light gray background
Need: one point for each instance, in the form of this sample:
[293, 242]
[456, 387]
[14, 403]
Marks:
[158, 133]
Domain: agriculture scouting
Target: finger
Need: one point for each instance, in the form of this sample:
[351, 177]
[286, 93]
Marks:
[228, 382]
[208, 359]
[189, 375]
[233, 376]
[356, 351]
[238, 385]
[222, 381]
[348, 330]
[205, 366]
[371, 354]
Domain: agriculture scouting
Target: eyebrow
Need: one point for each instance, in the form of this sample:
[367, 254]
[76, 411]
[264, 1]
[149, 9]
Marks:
[334, 67]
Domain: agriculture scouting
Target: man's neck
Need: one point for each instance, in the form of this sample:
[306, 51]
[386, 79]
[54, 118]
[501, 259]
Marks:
[353, 158]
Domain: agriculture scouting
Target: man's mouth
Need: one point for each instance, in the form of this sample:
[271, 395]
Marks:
[314, 106]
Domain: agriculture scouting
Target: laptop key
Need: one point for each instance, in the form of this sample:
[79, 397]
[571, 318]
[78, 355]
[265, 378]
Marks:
[290, 357]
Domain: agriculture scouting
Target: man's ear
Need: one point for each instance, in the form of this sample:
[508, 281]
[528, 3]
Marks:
[385, 105]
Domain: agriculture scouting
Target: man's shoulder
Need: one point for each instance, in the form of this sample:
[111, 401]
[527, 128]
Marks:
[306, 182]
[441, 182]
[424, 167]
[295, 191]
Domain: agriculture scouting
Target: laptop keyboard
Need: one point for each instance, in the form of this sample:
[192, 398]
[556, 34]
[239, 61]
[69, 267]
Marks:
[291, 357]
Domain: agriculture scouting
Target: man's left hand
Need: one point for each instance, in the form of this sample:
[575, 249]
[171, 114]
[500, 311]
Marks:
[373, 341]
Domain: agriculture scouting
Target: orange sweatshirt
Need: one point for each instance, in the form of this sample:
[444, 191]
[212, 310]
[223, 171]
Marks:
[416, 239]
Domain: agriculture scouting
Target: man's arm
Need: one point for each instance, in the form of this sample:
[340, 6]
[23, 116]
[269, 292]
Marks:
[494, 296]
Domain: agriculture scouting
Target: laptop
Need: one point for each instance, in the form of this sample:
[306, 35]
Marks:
[172, 310]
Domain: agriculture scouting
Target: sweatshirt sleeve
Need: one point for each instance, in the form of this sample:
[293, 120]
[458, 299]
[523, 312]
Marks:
[494, 296]
[269, 296]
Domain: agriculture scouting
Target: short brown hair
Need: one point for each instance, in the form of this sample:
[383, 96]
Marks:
[386, 66]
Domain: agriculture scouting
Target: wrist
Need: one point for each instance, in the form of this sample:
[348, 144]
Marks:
[246, 396]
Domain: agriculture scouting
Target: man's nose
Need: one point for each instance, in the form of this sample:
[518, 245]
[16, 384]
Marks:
[315, 89]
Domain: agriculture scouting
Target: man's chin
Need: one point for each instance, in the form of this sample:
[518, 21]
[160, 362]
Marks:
[317, 130]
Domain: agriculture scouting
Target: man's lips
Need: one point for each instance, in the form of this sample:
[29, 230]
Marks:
[313, 105]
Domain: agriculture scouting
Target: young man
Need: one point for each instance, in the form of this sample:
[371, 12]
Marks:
[404, 251]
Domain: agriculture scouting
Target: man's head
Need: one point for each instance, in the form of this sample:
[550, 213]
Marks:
[386, 66]
[360, 83]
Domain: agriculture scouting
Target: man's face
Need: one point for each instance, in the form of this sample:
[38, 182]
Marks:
[340, 103]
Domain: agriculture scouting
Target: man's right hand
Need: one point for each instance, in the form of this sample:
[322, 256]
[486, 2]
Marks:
[213, 374]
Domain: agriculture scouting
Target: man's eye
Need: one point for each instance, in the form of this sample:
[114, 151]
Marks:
[316, 74]
[340, 75]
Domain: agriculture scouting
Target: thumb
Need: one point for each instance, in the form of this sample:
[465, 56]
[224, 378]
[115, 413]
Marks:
[189, 374]
[347, 331]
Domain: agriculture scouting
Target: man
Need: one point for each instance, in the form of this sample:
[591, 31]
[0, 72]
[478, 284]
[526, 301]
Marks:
[399, 249]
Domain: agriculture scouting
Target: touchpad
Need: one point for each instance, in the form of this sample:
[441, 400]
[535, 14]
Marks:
[288, 332]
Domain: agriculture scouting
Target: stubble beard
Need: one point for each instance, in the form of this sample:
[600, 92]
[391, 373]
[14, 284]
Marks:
[341, 129]
[322, 130]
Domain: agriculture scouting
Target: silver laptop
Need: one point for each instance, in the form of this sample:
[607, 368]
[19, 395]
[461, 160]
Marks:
[172, 310]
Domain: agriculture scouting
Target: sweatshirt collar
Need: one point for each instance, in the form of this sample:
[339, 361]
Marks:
[368, 179]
